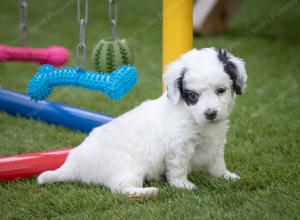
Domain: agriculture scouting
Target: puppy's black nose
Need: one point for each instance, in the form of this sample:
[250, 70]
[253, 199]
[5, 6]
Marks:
[210, 114]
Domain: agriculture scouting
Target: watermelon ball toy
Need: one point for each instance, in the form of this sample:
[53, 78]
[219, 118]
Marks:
[109, 54]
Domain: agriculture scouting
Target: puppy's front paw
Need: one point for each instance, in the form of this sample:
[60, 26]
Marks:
[183, 184]
[231, 176]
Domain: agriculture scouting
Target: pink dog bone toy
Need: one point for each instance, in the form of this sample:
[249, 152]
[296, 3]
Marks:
[54, 55]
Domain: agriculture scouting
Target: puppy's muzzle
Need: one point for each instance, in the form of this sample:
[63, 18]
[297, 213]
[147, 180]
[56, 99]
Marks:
[210, 114]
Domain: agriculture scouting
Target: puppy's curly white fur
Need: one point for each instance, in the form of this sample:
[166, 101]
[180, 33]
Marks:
[183, 130]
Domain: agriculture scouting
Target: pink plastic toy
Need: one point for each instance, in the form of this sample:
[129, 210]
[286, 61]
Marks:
[54, 55]
[28, 165]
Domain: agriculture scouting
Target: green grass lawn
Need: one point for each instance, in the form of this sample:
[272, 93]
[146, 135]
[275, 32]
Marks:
[263, 142]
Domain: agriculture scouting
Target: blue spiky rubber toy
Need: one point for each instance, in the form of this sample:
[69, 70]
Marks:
[114, 85]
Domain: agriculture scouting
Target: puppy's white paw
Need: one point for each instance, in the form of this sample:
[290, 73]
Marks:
[183, 184]
[139, 192]
[231, 176]
[149, 191]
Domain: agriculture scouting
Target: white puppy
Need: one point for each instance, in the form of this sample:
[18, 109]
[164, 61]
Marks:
[183, 130]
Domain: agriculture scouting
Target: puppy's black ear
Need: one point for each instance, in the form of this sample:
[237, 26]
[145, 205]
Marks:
[235, 68]
[173, 80]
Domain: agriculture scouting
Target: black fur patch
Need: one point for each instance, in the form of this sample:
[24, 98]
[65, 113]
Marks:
[190, 97]
[230, 69]
[180, 81]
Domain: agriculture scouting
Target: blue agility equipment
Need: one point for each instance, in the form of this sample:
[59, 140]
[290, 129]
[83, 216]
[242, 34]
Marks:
[115, 85]
[51, 112]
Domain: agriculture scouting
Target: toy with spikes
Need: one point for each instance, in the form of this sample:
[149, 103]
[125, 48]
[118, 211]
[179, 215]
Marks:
[110, 53]
[114, 85]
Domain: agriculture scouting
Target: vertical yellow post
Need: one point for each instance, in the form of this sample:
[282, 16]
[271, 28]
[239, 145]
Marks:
[177, 29]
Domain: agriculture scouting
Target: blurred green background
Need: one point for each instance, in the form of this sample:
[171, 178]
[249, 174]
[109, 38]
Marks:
[263, 142]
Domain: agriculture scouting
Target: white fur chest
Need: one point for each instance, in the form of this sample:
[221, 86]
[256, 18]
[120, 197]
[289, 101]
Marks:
[210, 140]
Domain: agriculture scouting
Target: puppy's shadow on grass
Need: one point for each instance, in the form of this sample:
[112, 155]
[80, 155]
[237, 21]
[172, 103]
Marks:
[98, 194]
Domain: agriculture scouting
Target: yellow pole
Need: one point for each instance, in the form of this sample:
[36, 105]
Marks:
[177, 29]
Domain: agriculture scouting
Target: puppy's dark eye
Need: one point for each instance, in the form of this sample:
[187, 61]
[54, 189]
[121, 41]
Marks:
[191, 97]
[220, 91]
